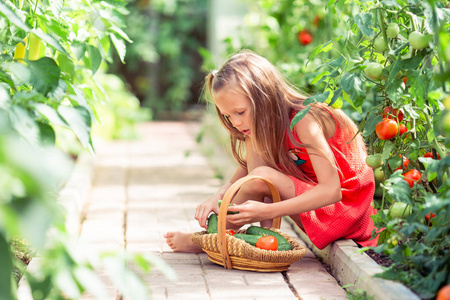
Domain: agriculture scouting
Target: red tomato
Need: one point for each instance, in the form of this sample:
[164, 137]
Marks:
[412, 176]
[304, 37]
[402, 129]
[430, 154]
[405, 163]
[386, 129]
[429, 216]
[231, 232]
[390, 113]
[268, 242]
[405, 80]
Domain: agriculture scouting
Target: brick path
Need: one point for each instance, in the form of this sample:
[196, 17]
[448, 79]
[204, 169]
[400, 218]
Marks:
[142, 189]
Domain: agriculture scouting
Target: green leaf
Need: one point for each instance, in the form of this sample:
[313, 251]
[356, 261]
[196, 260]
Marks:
[50, 114]
[25, 124]
[372, 121]
[79, 120]
[20, 74]
[394, 89]
[353, 53]
[299, 116]
[319, 97]
[7, 285]
[12, 17]
[47, 134]
[95, 58]
[45, 75]
[352, 84]
[364, 22]
[120, 32]
[319, 77]
[119, 44]
[387, 149]
[321, 48]
[391, 3]
[336, 95]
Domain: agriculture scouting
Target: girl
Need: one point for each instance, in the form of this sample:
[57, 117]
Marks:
[318, 167]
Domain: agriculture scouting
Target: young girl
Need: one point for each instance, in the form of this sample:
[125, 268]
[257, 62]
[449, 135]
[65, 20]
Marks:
[318, 167]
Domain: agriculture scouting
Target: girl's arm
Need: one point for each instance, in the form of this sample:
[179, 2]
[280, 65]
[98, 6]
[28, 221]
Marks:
[328, 189]
[202, 211]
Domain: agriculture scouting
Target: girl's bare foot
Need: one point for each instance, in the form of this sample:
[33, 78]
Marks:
[181, 242]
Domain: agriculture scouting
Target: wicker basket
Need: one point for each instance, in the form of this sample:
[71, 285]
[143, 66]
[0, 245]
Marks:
[231, 252]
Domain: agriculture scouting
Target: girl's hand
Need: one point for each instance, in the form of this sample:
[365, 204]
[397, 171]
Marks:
[249, 212]
[202, 211]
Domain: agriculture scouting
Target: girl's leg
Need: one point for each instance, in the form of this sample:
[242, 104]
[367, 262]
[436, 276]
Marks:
[258, 189]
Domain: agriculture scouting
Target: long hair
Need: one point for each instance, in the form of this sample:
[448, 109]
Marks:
[273, 99]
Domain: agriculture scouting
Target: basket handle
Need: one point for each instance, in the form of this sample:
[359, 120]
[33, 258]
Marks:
[232, 190]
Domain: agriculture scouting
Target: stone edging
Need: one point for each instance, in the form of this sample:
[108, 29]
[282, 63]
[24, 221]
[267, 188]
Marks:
[356, 269]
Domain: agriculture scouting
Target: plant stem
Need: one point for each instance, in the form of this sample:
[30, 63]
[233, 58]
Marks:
[434, 142]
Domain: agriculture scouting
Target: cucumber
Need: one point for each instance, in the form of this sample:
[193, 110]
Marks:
[256, 230]
[249, 238]
[228, 212]
[212, 223]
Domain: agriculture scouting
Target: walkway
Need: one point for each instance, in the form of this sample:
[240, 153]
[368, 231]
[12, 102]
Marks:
[142, 189]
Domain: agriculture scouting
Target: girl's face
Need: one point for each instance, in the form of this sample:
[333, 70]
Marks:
[236, 107]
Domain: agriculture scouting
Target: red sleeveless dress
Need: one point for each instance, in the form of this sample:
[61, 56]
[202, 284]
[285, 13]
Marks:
[350, 217]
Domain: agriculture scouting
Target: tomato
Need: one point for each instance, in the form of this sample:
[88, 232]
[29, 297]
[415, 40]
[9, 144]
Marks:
[444, 293]
[405, 163]
[379, 44]
[412, 176]
[379, 174]
[405, 80]
[34, 48]
[400, 210]
[231, 232]
[429, 216]
[386, 129]
[374, 70]
[374, 161]
[268, 242]
[19, 53]
[395, 113]
[418, 40]
[430, 154]
[392, 30]
[402, 129]
[304, 37]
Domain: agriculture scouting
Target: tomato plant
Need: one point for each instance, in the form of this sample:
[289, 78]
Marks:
[400, 210]
[386, 129]
[404, 164]
[268, 242]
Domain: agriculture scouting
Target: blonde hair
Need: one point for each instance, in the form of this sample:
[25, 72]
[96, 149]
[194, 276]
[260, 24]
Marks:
[273, 99]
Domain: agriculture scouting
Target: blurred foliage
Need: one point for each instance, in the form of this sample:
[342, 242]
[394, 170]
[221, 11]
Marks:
[163, 64]
[120, 112]
[50, 52]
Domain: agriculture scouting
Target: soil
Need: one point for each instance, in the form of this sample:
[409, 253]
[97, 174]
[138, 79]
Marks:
[381, 259]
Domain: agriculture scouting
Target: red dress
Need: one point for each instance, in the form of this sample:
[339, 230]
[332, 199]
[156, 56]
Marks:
[350, 217]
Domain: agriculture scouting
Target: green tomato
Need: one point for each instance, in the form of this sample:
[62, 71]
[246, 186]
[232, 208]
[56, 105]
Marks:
[400, 210]
[379, 44]
[418, 40]
[374, 70]
[392, 30]
[379, 174]
[374, 161]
